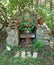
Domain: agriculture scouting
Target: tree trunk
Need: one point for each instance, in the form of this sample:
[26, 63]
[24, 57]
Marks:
[50, 5]
[45, 3]
[37, 2]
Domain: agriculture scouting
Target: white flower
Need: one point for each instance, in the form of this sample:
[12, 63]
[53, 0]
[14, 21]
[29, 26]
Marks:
[8, 48]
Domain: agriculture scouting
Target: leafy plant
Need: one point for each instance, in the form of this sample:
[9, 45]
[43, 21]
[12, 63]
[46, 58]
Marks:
[46, 15]
[4, 60]
[37, 46]
[3, 16]
[15, 7]
[50, 19]
[26, 23]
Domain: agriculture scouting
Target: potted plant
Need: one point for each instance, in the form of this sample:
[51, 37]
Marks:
[26, 23]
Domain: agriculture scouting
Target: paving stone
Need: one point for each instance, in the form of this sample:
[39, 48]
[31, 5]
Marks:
[26, 54]
[29, 54]
[35, 55]
[17, 54]
[23, 54]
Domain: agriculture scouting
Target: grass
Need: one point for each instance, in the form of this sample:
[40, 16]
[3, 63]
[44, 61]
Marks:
[45, 57]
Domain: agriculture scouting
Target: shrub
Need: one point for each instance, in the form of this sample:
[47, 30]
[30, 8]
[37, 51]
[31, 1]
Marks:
[37, 46]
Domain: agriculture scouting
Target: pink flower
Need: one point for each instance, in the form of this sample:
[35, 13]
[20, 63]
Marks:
[30, 21]
[27, 25]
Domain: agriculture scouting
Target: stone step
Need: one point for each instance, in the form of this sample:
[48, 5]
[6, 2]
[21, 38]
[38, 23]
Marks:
[26, 54]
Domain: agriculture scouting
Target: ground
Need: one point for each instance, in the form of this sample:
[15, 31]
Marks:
[45, 57]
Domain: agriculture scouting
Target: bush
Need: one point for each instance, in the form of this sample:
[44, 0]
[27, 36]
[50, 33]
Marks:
[37, 46]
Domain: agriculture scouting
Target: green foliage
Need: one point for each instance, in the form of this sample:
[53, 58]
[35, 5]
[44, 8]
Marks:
[3, 14]
[18, 48]
[18, 6]
[37, 46]
[14, 6]
[46, 15]
[3, 60]
[41, 12]
[50, 20]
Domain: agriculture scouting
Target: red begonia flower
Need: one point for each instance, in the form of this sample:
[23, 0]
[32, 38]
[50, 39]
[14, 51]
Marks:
[30, 20]
[27, 25]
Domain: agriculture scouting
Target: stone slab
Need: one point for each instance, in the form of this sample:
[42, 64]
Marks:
[12, 38]
[27, 35]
